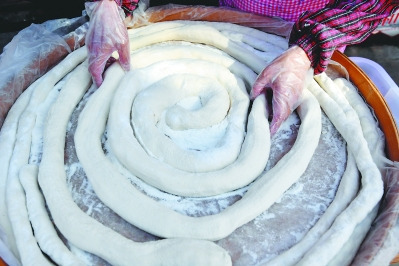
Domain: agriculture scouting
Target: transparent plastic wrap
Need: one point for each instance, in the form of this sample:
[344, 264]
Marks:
[207, 13]
[285, 77]
[106, 34]
[31, 53]
[382, 241]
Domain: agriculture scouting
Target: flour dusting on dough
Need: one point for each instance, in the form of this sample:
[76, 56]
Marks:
[277, 225]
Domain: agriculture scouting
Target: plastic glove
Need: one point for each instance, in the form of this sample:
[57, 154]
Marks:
[285, 76]
[106, 34]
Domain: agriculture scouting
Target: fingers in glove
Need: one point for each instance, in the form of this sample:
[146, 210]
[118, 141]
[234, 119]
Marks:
[97, 62]
[285, 76]
[261, 83]
[281, 110]
[107, 34]
[124, 56]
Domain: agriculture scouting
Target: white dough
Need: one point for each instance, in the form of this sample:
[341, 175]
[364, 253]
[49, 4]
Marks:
[7, 142]
[157, 97]
[372, 187]
[371, 132]
[347, 190]
[195, 33]
[91, 235]
[16, 201]
[266, 190]
[45, 233]
[148, 55]
[275, 40]
[165, 177]
[345, 255]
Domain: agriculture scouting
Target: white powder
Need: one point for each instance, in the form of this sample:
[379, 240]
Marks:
[41, 118]
[283, 224]
[195, 139]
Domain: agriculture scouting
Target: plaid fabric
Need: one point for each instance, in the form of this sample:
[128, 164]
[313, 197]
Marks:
[287, 9]
[322, 26]
[338, 24]
[127, 5]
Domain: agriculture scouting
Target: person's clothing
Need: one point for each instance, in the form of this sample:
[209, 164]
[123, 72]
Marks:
[128, 6]
[322, 26]
[340, 23]
[185, 2]
[289, 10]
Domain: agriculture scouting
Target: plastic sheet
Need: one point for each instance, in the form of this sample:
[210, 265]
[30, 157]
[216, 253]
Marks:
[31, 53]
[206, 13]
[382, 241]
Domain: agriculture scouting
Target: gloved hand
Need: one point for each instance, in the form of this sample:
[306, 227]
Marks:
[285, 76]
[107, 33]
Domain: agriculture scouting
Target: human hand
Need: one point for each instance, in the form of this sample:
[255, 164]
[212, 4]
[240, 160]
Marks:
[106, 34]
[285, 76]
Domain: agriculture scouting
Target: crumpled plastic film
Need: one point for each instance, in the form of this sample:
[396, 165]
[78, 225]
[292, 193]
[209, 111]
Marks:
[73, 30]
[382, 241]
[140, 17]
[31, 53]
[27, 57]
[208, 13]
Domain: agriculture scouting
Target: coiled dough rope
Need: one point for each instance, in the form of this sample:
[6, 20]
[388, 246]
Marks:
[170, 179]
[84, 231]
[126, 200]
[266, 190]
[339, 233]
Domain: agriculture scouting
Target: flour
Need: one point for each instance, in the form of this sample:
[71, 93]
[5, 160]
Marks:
[37, 132]
[276, 223]
[271, 225]
[195, 139]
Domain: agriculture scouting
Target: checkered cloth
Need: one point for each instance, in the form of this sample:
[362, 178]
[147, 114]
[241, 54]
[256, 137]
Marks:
[127, 5]
[323, 26]
[337, 25]
[286, 9]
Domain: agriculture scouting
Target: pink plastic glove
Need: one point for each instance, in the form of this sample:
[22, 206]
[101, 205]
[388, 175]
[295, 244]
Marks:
[285, 76]
[106, 34]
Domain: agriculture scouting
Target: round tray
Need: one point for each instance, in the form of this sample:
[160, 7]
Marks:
[374, 98]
